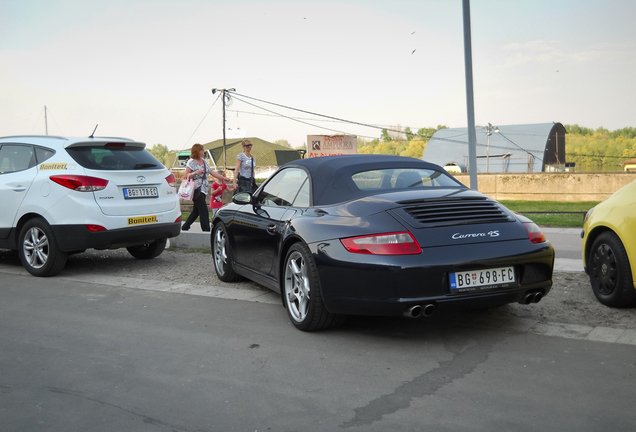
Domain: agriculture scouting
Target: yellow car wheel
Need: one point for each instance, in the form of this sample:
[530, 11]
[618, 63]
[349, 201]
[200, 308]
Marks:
[610, 272]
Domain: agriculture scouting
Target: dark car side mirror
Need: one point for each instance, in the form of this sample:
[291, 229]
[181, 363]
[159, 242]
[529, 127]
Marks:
[242, 198]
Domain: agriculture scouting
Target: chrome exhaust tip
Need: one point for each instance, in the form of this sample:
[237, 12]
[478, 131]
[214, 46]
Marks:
[527, 298]
[531, 297]
[413, 312]
[429, 310]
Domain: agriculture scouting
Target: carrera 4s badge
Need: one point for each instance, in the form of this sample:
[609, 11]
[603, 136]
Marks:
[458, 236]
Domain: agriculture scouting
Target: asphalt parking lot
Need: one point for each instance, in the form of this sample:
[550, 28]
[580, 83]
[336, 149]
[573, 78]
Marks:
[570, 310]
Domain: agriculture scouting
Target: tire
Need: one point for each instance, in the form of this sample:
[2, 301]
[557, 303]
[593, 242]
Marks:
[221, 254]
[39, 252]
[302, 294]
[149, 250]
[610, 272]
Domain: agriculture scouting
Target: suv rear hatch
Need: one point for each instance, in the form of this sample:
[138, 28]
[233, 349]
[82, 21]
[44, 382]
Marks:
[137, 181]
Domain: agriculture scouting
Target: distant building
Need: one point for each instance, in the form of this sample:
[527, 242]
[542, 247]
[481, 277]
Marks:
[512, 148]
[629, 165]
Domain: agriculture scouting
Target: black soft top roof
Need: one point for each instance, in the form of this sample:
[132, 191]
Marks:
[331, 175]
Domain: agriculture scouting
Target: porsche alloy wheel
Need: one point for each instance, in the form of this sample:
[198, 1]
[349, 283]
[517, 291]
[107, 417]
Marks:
[610, 272]
[221, 254]
[303, 298]
[39, 252]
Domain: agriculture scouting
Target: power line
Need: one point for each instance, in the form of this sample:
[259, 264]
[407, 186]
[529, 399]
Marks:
[277, 115]
[291, 118]
[201, 122]
[520, 148]
[315, 114]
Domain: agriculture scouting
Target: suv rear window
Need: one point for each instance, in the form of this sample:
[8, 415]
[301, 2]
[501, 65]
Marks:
[114, 158]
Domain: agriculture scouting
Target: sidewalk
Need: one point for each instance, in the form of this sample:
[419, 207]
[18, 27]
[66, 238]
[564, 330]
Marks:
[194, 238]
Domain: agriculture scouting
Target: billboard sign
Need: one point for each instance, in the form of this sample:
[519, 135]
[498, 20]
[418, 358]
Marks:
[331, 145]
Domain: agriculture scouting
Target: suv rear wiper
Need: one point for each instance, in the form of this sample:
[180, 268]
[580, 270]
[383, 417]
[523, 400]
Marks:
[144, 165]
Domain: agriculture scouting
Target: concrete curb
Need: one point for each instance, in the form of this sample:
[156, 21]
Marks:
[191, 240]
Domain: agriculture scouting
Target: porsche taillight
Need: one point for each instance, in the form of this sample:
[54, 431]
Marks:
[534, 232]
[399, 243]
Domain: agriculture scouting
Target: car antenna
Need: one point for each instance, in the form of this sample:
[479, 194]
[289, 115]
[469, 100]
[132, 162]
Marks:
[94, 131]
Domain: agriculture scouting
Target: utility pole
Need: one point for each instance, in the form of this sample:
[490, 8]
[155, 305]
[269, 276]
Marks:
[46, 123]
[470, 102]
[225, 93]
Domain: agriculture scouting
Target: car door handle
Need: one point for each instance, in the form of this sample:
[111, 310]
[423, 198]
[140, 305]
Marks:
[19, 189]
[271, 229]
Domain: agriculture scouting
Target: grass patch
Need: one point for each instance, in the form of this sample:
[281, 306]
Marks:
[549, 218]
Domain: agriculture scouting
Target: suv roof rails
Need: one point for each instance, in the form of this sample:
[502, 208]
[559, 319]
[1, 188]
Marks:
[35, 136]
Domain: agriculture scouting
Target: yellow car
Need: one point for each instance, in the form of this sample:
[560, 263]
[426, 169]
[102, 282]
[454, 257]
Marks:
[609, 248]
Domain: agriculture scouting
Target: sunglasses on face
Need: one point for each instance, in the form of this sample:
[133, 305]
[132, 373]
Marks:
[248, 145]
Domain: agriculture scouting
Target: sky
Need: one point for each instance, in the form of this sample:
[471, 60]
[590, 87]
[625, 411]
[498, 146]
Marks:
[146, 69]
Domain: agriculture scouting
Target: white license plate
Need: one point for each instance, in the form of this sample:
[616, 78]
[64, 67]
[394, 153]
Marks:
[140, 192]
[476, 280]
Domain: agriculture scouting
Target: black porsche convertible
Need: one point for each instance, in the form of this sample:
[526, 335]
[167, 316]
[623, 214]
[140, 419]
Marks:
[378, 235]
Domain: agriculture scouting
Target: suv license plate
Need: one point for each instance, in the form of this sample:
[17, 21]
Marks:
[140, 192]
[477, 280]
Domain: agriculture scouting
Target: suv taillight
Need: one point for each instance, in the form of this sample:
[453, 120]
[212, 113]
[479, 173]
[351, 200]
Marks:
[172, 180]
[80, 183]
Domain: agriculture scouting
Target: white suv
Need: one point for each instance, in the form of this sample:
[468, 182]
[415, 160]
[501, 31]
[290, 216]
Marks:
[65, 195]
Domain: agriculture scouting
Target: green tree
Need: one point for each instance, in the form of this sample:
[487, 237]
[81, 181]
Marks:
[367, 147]
[159, 151]
[426, 133]
[383, 148]
[587, 147]
[384, 136]
[612, 155]
[415, 148]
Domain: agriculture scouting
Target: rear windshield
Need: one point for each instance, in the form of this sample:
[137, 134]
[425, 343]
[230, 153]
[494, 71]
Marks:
[385, 179]
[114, 158]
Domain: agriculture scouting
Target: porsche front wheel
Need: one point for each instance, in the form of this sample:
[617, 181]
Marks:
[221, 254]
[301, 288]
